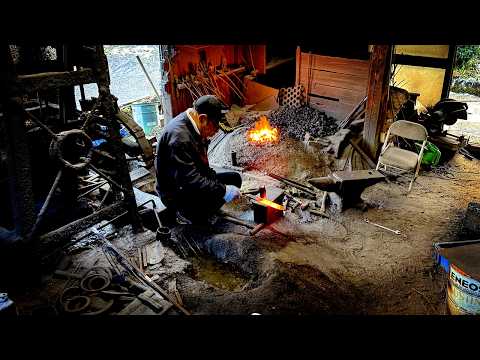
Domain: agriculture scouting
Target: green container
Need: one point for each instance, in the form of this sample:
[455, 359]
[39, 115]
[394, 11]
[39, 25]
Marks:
[145, 114]
[431, 154]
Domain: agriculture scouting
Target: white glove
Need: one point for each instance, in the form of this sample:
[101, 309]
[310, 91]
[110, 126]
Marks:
[231, 192]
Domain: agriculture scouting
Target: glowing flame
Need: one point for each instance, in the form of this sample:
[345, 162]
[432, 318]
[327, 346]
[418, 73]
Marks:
[269, 203]
[262, 132]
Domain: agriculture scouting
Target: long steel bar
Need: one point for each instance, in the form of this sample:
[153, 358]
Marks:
[45, 204]
[92, 189]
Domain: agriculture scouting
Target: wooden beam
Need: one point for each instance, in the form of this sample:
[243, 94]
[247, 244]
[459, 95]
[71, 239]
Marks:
[423, 61]
[48, 80]
[377, 96]
[447, 80]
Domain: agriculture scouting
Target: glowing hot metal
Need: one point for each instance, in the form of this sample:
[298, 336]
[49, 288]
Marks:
[269, 203]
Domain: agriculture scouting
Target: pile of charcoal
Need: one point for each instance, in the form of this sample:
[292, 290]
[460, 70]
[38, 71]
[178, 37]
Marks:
[294, 122]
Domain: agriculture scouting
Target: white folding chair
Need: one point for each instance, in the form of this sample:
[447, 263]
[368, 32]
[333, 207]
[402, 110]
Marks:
[396, 160]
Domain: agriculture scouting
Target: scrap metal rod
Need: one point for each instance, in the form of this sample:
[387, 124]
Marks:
[39, 123]
[148, 77]
[106, 177]
[292, 183]
[237, 221]
[102, 226]
[95, 187]
[156, 214]
[46, 203]
[137, 273]
[104, 197]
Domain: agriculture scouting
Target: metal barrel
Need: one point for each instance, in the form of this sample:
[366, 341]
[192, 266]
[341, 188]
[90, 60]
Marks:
[146, 115]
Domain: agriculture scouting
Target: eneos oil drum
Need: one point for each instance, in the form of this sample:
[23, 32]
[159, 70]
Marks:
[463, 293]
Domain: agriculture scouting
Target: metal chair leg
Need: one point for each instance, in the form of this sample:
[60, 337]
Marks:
[411, 183]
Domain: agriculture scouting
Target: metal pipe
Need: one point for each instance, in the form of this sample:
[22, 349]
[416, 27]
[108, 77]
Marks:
[104, 197]
[293, 184]
[237, 221]
[257, 228]
[154, 207]
[92, 190]
[39, 123]
[148, 77]
[45, 204]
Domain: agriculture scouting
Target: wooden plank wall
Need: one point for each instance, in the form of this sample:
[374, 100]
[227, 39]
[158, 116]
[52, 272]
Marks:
[334, 85]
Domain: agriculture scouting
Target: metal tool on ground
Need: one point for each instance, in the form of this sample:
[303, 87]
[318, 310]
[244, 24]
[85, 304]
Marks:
[146, 303]
[324, 201]
[138, 274]
[234, 220]
[383, 227]
[305, 205]
[297, 202]
[319, 213]
[257, 228]
[295, 184]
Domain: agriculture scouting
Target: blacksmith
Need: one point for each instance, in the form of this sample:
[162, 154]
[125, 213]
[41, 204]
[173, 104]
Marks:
[187, 186]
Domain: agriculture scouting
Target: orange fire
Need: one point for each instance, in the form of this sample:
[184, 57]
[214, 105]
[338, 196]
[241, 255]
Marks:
[262, 132]
[270, 203]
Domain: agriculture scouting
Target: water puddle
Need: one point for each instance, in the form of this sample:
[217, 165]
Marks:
[217, 274]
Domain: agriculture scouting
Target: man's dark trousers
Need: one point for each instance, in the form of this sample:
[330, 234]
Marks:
[199, 213]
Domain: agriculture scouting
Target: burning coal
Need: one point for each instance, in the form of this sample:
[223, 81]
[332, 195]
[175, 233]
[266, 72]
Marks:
[262, 133]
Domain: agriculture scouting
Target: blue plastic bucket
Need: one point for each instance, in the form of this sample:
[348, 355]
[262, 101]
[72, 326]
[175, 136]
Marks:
[145, 115]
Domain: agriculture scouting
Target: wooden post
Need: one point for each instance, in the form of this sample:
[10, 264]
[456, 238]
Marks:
[447, 80]
[377, 96]
[298, 64]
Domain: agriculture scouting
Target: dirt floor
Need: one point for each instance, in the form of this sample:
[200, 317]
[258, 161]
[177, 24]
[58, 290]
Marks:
[298, 265]
[338, 266]
[395, 272]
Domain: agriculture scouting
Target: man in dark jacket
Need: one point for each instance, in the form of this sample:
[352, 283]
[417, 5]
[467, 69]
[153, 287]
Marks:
[186, 184]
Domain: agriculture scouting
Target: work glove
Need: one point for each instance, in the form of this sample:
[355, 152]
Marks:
[231, 192]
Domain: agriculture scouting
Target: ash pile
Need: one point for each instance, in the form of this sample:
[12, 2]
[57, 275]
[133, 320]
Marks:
[294, 122]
